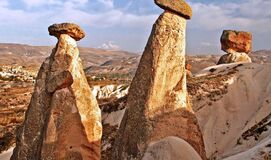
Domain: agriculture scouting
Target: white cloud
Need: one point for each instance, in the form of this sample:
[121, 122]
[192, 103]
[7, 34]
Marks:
[16, 17]
[38, 3]
[251, 15]
[116, 17]
[108, 4]
[109, 46]
[59, 3]
[256, 8]
[208, 21]
[3, 3]
[69, 11]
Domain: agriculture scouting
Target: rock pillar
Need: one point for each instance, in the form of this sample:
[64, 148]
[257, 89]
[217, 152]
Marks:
[63, 120]
[158, 105]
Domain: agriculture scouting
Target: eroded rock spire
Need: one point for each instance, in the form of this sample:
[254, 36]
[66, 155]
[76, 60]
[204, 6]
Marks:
[63, 120]
[158, 105]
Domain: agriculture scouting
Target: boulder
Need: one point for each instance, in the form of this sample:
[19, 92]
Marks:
[179, 7]
[236, 41]
[63, 120]
[157, 104]
[169, 149]
[73, 30]
[234, 57]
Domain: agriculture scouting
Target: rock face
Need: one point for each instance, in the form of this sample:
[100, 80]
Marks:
[234, 57]
[63, 120]
[233, 105]
[157, 105]
[70, 29]
[236, 41]
[237, 44]
[179, 7]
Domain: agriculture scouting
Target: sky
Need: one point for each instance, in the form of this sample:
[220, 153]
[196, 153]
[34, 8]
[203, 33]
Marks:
[126, 24]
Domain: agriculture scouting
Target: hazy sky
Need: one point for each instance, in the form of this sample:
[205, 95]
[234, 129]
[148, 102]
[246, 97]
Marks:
[126, 24]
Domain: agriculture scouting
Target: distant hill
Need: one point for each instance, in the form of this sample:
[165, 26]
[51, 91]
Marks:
[99, 61]
[26, 55]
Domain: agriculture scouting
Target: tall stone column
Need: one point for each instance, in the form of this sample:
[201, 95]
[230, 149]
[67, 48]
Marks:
[158, 105]
[63, 120]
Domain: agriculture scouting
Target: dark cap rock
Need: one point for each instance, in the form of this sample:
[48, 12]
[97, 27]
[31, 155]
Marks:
[70, 29]
[236, 41]
[179, 7]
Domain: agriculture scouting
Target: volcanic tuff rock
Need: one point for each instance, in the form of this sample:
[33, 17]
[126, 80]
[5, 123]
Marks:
[236, 41]
[179, 7]
[171, 148]
[73, 30]
[234, 57]
[63, 120]
[237, 44]
[157, 105]
[233, 105]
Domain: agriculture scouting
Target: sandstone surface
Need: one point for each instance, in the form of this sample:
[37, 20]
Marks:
[63, 120]
[73, 30]
[179, 7]
[236, 41]
[157, 104]
[234, 57]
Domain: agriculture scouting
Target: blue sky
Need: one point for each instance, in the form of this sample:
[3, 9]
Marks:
[126, 24]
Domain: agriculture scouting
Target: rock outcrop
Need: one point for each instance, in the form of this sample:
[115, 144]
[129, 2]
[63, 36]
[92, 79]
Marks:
[237, 44]
[234, 57]
[63, 120]
[233, 105]
[157, 105]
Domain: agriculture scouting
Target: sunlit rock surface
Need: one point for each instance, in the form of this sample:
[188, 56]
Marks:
[157, 104]
[63, 120]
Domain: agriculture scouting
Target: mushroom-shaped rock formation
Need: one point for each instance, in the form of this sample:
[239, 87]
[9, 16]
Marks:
[63, 120]
[237, 44]
[179, 7]
[236, 41]
[73, 30]
[157, 104]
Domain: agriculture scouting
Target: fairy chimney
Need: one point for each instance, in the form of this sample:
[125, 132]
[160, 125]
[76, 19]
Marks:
[158, 105]
[63, 120]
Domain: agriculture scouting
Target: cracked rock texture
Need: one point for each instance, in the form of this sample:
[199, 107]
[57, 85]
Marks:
[71, 29]
[237, 45]
[179, 7]
[157, 105]
[236, 41]
[234, 57]
[63, 120]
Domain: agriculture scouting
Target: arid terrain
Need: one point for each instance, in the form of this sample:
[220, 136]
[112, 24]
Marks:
[135, 80]
[109, 73]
